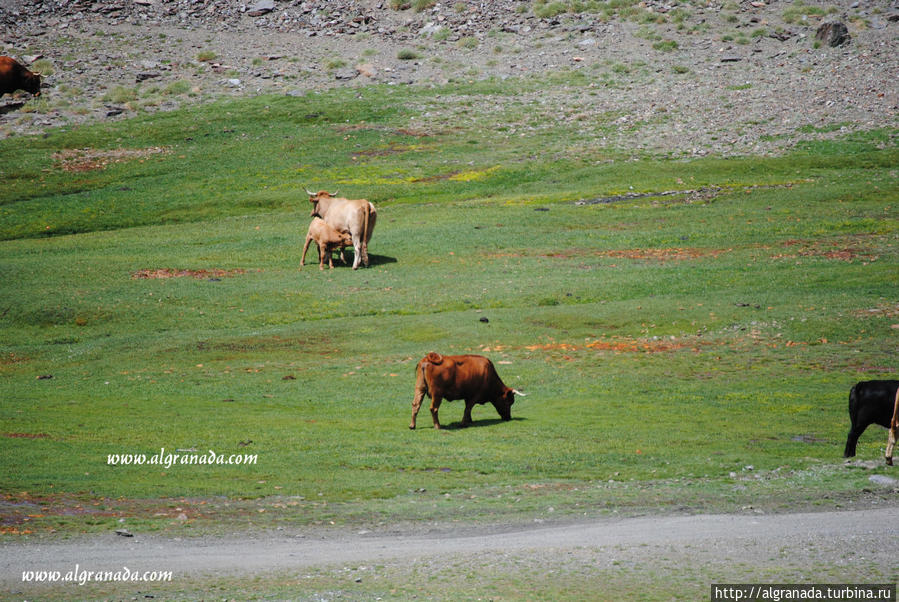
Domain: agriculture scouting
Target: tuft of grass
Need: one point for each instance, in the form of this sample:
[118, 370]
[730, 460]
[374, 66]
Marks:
[407, 54]
[120, 95]
[665, 45]
[545, 9]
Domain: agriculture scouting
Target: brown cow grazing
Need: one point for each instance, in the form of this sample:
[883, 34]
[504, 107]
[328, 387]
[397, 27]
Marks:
[13, 76]
[327, 239]
[469, 377]
[356, 216]
[894, 431]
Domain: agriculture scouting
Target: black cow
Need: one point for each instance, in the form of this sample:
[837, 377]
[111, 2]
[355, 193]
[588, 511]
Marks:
[870, 402]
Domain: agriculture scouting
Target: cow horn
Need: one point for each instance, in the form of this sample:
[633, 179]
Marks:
[517, 392]
[334, 193]
[309, 192]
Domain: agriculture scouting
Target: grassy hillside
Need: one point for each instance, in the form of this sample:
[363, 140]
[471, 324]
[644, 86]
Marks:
[691, 349]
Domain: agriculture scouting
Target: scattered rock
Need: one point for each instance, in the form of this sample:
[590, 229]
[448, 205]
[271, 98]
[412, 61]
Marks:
[345, 74]
[262, 7]
[124, 533]
[883, 480]
[833, 34]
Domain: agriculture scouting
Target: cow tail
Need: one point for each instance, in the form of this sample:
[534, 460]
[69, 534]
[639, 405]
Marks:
[365, 232]
[421, 383]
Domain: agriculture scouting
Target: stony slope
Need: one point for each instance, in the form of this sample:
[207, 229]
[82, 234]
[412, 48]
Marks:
[684, 77]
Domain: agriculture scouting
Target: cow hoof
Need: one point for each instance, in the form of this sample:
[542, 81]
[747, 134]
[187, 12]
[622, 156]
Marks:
[889, 461]
[411, 427]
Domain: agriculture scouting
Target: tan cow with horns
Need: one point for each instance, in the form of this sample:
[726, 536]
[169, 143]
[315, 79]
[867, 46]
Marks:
[354, 216]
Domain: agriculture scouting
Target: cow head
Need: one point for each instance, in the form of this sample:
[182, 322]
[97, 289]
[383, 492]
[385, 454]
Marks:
[503, 405]
[319, 202]
[31, 82]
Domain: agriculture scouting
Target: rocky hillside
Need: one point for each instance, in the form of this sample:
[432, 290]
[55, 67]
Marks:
[705, 76]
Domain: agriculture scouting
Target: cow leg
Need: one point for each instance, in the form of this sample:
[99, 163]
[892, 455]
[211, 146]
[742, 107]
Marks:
[435, 406]
[466, 417]
[852, 440]
[891, 443]
[357, 249]
[416, 405]
[894, 430]
[305, 248]
[322, 251]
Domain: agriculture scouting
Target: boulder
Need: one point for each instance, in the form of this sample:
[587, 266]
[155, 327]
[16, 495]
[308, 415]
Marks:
[833, 34]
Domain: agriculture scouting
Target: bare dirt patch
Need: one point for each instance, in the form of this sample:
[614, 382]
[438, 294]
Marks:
[664, 255]
[623, 345]
[152, 274]
[885, 311]
[91, 159]
[850, 249]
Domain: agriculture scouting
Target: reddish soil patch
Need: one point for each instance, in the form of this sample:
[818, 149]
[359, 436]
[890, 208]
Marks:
[624, 345]
[673, 254]
[89, 159]
[886, 311]
[848, 250]
[11, 358]
[661, 255]
[26, 435]
[173, 273]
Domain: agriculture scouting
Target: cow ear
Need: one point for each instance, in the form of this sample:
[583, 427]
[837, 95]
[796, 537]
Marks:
[434, 358]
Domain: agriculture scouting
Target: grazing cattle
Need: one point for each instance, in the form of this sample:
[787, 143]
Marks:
[327, 239]
[13, 76]
[356, 216]
[870, 402]
[894, 430]
[469, 377]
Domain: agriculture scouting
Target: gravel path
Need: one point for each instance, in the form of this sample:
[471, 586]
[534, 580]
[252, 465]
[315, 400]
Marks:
[819, 539]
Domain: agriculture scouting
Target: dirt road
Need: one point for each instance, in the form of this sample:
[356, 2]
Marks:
[808, 539]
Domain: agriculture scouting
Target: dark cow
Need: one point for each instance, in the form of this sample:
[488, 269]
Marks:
[13, 76]
[870, 402]
[469, 377]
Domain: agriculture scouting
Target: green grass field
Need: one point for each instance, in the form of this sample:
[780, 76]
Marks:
[681, 352]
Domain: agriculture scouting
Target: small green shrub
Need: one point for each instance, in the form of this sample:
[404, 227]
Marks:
[175, 88]
[120, 94]
[665, 45]
[547, 10]
[407, 54]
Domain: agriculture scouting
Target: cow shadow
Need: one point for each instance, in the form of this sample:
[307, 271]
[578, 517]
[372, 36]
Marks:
[380, 259]
[457, 426]
[373, 260]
